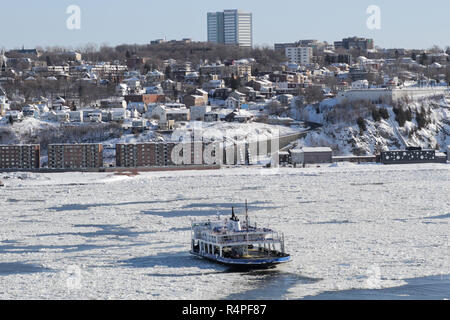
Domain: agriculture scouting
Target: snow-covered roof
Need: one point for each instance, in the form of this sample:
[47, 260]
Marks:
[316, 149]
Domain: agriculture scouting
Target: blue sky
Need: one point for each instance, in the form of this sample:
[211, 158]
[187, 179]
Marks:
[408, 24]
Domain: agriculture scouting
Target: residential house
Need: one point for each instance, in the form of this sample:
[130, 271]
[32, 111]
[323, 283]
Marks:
[213, 84]
[15, 115]
[119, 114]
[31, 110]
[198, 112]
[285, 98]
[211, 116]
[166, 125]
[155, 76]
[111, 103]
[239, 115]
[140, 107]
[239, 96]
[221, 93]
[232, 103]
[194, 100]
[58, 116]
[76, 116]
[165, 113]
[360, 84]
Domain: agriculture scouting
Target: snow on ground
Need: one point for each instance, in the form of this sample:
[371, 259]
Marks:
[104, 236]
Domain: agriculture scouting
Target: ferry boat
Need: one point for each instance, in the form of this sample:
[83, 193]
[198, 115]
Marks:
[230, 242]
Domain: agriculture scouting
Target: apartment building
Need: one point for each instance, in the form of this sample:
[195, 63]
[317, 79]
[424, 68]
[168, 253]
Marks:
[75, 156]
[299, 55]
[144, 154]
[159, 154]
[355, 43]
[20, 156]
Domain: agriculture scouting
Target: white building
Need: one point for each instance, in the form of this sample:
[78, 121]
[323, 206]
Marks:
[299, 55]
[360, 84]
[76, 116]
[4, 105]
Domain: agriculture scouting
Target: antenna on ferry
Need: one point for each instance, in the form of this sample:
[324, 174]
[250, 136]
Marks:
[246, 213]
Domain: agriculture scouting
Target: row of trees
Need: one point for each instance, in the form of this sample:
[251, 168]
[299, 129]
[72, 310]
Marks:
[85, 93]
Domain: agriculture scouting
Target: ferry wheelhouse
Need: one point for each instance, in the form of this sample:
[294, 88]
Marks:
[231, 242]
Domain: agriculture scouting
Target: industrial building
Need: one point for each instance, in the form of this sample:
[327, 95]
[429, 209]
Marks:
[410, 155]
[20, 156]
[308, 155]
[75, 156]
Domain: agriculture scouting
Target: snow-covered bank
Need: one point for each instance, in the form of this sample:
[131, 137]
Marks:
[101, 236]
[341, 131]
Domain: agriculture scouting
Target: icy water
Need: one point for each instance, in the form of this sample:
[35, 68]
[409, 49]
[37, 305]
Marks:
[425, 288]
[354, 232]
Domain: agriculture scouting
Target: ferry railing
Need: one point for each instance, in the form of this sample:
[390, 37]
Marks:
[272, 238]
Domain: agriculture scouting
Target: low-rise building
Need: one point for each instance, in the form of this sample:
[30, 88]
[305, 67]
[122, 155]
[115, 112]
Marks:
[75, 156]
[311, 155]
[159, 154]
[20, 156]
[411, 155]
[144, 154]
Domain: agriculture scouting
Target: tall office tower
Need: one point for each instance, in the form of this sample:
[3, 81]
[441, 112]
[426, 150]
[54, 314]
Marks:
[230, 27]
[215, 27]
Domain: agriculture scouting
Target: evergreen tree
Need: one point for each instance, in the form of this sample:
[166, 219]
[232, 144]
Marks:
[234, 82]
[400, 116]
[384, 113]
[362, 124]
[167, 72]
[423, 58]
[376, 114]
[421, 118]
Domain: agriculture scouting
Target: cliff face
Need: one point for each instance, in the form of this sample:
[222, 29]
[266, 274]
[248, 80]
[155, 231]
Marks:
[424, 123]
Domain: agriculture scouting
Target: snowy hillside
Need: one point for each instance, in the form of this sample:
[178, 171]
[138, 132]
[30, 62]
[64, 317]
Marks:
[341, 131]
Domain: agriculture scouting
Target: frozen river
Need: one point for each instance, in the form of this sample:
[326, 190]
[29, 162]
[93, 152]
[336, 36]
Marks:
[354, 231]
